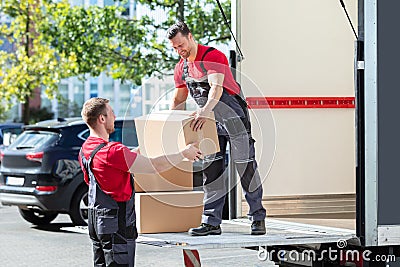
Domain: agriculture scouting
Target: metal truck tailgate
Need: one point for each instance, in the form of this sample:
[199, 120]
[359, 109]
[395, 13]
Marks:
[236, 233]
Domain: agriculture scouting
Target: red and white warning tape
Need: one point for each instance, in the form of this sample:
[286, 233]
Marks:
[300, 102]
[191, 258]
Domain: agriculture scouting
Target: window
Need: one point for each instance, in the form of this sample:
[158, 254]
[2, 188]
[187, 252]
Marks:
[108, 88]
[77, 2]
[109, 2]
[33, 139]
[148, 88]
[125, 132]
[9, 135]
[79, 92]
[93, 87]
[148, 109]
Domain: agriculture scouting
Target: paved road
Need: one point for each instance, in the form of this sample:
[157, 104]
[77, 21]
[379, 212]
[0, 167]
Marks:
[22, 244]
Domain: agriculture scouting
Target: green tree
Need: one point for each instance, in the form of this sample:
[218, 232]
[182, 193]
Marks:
[68, 108]
[202, 16]
[130, 49]
[54, 40]
[33, 63]
[103, 40]
[40, 114]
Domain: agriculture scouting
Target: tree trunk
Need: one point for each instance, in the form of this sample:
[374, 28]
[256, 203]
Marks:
[26, 114]
[181, 10]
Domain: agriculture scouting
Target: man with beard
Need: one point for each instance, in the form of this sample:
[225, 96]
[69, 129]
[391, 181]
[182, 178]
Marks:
[204, 73]
[107, 168]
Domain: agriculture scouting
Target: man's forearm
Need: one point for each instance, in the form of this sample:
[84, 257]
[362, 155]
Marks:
[154, 165]
[213, 97]
[179, 98]
[164, 163]
[178, 105]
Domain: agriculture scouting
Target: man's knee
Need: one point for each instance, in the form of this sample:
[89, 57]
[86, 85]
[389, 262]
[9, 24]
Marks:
[249, 177]
[213, 170]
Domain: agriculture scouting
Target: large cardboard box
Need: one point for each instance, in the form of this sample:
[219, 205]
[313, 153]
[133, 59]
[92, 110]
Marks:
[169, 132]
[168, 212]
[178, 178]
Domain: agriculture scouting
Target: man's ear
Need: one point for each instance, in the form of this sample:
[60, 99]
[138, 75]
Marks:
[101, 119]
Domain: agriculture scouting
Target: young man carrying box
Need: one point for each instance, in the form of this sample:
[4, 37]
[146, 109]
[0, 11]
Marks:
[204, 73]
[107, 168]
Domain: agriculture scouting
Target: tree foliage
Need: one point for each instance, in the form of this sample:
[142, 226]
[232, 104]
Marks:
[103, 40]
[129, 49]
[32, 62]
[202, 16]
[54, 40]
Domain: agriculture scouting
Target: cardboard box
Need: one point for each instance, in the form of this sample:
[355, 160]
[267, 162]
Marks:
[168, 212]
[169, 132]
[178, 178]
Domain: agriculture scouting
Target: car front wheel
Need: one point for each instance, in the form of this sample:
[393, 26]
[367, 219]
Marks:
[79, 207]
[37, 217]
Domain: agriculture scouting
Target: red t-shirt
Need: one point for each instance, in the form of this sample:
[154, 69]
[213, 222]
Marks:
[111, 167]
[214, 62]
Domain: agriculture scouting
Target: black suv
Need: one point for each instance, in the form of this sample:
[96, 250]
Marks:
[40, 172]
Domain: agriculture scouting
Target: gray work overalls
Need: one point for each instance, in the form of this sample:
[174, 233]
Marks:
[111, 224]
[233, 126]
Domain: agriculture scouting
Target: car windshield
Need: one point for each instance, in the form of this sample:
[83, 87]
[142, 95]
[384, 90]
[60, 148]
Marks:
[33, 140]
[125, 133]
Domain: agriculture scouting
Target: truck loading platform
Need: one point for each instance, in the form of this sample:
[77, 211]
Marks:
[236, 234]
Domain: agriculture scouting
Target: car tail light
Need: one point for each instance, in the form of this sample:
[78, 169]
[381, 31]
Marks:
[46, 188]
[1, 156]
[35, 156]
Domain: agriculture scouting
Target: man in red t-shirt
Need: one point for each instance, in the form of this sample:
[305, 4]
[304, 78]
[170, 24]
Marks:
[107, 168]
[204, 73]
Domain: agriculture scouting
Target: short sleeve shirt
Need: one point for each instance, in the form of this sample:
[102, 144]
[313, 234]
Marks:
[111, 167]
[214, 62]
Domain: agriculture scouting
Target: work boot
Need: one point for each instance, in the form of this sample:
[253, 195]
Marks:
[205, 229]
[258, 228]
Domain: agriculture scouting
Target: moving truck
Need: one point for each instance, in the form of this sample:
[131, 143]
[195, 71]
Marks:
[323, 94]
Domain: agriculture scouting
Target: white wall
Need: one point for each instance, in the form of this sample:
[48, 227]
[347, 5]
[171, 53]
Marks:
[300, 48]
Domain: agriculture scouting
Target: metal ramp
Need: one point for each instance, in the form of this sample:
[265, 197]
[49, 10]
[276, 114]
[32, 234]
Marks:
[236, 234]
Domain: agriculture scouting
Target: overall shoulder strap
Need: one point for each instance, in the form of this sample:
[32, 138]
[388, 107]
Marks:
[87, 162]
[95, 151]
[185, 72]
[202, 59]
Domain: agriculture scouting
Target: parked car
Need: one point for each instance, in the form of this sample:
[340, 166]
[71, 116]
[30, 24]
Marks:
[40, 172]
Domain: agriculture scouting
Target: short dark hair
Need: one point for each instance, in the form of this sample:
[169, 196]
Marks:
[92, 109]
[181, 27]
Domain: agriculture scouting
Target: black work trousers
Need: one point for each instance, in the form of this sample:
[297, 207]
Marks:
[113, 243]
